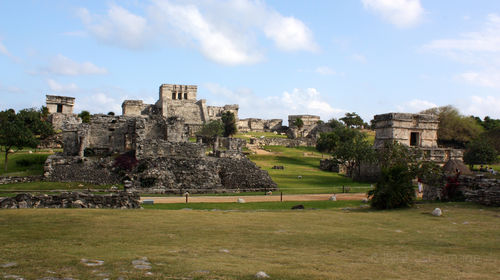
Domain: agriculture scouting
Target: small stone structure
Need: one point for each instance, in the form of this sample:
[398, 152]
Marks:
[122, 200]
[291, 143]
[19, 179]
[309, 121]
[60, 104]
[60, 114]
[414, 130]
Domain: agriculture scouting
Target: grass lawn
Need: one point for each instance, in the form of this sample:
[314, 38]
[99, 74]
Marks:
[313, 244]
[33, 163]
[303, 161]
[248, 135]
[286, 205]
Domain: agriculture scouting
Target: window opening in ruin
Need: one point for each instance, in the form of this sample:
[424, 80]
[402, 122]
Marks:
[173, 95]
[414, 139]
[185, 95]
[59, 108]
[179, 96]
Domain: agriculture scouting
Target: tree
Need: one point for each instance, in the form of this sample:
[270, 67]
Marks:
[299, 123]
[85, 116]
[210, 131]
[36, 121]
[352, 120]
[327, 142]
[394, 189]
[229, 122]
[454, 130]
[480, 152]
[14, 134]
[352, 149]
[111, 113]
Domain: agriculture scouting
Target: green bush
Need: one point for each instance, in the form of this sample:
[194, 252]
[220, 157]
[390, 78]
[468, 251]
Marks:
[32, 160]
[394, 189]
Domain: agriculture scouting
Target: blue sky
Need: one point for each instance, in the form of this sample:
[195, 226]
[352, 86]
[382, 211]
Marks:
[273, 58]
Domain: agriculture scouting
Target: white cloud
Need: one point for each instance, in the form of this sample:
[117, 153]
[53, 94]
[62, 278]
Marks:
[289, 33]
[297, 101]
[325, 70]
[415, 106]
[402, 13]
[480, 48]
[61, 65]
[359, 58]
[10, 89]
[481, 106]
[98, 103]
[6, 52]
[55, 86]
[118, 27]
[213, 42]
[224, 32]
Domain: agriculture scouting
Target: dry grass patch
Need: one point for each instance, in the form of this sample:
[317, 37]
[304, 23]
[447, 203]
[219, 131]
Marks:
[313, 244]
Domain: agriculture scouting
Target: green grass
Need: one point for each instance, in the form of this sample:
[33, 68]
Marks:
[14, 169]
[286, 205]
[248, 135]
[303, 161]
[322, 244]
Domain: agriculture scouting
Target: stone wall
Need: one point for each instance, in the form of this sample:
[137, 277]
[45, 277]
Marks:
[259, 125]
[475, 188]
[329, 165]
[201, 175]
[268, 141]
[156, 148]
[215, 112]
[122, 200]
[134, 108]
[60, 121]
[97, 171]
[18, 179]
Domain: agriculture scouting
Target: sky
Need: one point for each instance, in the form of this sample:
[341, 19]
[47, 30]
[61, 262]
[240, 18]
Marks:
[273, 58]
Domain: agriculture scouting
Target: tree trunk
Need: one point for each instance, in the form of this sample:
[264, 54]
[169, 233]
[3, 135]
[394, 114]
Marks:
[6, 159]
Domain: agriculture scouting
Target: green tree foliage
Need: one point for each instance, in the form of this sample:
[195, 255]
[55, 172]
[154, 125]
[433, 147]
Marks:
[488, 123]
[111, 113]
[229, 122]
[85, 116]
[394, 189]
[352, 120]
[299, 123]
[455, 130]
[14, 134]
[210, 131]
[350, 148]
[36, 122]
[334, 123]
[480, 151]
[493, 137]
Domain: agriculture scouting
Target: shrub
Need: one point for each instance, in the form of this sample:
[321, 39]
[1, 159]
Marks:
[147, 182]
[32, 160]
[394, 189]
[126, 161]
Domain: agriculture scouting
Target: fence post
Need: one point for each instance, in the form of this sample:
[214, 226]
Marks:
[281, 197]
[187, 197]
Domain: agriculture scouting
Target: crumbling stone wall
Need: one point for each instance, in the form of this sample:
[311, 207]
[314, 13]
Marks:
[60, 121]
[291, 143]
[99, 171]
[120, 200]
[156, 148]
[19, 179]
[259, 125]
[200, 175]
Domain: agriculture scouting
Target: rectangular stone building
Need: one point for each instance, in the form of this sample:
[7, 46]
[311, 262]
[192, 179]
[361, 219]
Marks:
[59, 104]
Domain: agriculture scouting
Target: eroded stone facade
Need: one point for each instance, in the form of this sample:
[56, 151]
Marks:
[179, 101]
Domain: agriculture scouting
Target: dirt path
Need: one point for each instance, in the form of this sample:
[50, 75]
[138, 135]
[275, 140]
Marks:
[256, 198]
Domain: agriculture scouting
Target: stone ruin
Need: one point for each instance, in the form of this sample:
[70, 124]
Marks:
[61, 111]
[179, 101]
[148, 146]
[413, 130]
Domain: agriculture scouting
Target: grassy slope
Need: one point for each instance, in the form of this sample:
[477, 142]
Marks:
[303, 161]
[16, 170]
[321, 244]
